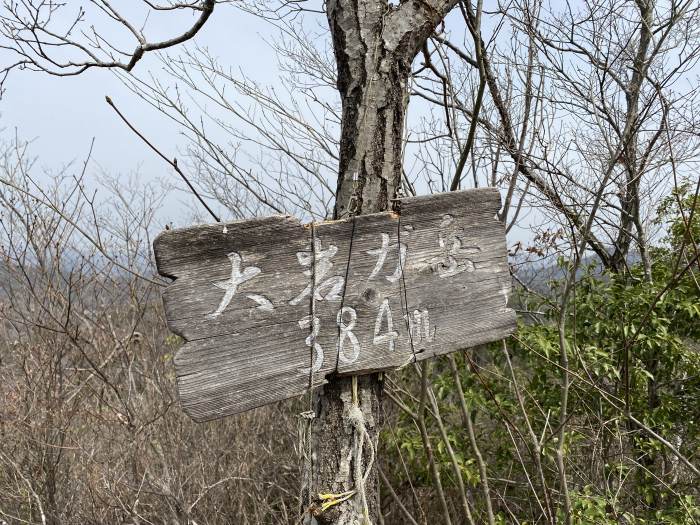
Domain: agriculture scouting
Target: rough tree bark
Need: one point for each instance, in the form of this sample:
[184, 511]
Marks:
[375, 44]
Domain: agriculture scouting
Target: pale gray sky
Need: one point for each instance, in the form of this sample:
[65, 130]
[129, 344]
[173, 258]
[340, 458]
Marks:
[62, 115]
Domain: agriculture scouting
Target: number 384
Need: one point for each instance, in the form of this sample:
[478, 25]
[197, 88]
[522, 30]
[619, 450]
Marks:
[348, 346]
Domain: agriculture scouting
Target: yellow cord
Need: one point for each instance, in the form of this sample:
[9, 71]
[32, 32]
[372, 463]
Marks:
[329, 500]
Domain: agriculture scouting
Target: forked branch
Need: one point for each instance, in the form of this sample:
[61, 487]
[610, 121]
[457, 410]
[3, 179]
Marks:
[37, 38]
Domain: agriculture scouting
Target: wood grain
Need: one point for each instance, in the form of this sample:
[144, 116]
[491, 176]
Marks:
[259, 302]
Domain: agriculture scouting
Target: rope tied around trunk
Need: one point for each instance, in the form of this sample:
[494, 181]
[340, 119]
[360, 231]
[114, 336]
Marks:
[357, 419]
[361, 438]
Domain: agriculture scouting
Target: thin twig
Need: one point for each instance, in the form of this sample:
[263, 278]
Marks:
[172, 163]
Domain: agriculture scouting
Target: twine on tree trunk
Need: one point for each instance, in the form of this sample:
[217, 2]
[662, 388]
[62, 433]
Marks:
[361, 436]
[306, 419]
[305, 451]
[357, 418]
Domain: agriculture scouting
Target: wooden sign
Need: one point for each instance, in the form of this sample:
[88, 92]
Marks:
[269, 307]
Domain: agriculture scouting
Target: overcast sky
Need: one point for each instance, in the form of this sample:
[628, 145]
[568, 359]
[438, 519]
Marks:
[62, 115]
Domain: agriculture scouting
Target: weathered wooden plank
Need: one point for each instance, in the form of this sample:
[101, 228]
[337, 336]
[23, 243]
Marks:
[464, 288]
[233, 303]
[373, 335]
[269, 306]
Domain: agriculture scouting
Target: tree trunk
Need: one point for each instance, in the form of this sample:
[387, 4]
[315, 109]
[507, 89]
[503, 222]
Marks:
[629, 190]
[374, 44]
[373, 85]
[334, 449]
